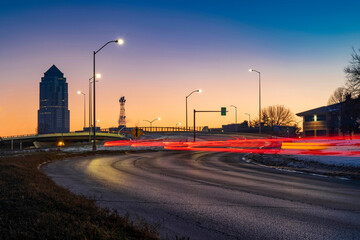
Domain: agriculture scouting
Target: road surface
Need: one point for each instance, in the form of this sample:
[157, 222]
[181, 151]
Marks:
[215, 195]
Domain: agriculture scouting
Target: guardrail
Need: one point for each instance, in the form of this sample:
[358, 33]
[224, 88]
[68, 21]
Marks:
[152, 129]
[110, 130]
[19, 136]
[170, 129]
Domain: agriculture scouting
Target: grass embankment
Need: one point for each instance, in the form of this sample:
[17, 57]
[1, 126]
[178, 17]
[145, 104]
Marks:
[34, 207]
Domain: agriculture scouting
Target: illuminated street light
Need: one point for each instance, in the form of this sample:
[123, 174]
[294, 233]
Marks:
[253, 70]
[120, 42]
[235, 113]
[199, 91]
[152, 121]
[249, 118]
[79, 92]
[177, 124]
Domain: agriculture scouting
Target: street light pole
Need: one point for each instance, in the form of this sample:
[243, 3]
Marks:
[79, 92]
[98, 75]
[249, 119]
[90, 105]
[120, 42]
[152, 121]
[94, 116]
[199, 91]
[253, 70]
[235, 113]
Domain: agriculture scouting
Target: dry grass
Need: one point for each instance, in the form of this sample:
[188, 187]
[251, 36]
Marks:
[34, 207]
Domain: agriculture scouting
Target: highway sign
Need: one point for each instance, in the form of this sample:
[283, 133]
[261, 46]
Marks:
[223, 111]
[137, 132]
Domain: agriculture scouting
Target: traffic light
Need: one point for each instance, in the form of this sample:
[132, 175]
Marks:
[223, 111]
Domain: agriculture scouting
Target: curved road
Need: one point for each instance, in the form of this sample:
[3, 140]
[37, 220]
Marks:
[215, 195]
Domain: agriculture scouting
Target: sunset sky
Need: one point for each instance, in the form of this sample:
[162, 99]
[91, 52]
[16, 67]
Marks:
[172, 48]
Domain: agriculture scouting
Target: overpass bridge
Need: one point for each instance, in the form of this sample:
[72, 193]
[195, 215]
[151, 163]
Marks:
[110, 134]
[52, 140]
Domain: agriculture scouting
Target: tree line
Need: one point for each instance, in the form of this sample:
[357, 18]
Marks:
[349, 96]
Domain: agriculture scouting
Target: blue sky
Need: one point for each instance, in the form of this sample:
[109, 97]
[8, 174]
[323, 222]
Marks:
[317, 17]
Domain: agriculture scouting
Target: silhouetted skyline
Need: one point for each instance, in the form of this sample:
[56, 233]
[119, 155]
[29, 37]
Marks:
[53, 113]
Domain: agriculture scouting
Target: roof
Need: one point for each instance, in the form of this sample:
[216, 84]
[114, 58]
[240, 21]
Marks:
[321, 110]
[53, 71]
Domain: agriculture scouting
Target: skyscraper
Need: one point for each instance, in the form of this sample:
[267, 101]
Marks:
[53, 115]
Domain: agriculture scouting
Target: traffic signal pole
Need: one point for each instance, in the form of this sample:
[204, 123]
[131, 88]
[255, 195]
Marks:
[223, 113]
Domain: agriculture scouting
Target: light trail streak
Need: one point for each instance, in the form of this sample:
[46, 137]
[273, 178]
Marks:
[329, 146]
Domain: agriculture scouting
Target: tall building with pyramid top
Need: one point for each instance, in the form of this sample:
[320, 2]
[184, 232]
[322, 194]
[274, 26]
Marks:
[53, 113]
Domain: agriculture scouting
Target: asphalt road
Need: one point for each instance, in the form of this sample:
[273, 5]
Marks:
[216, 195]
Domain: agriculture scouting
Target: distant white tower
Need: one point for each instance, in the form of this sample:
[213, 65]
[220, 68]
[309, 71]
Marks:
[122, 118]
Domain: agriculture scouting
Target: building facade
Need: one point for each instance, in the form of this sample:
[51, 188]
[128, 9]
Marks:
[53, 113]
[322, 121]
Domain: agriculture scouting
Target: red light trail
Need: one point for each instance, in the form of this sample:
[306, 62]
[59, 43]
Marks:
[329, 146]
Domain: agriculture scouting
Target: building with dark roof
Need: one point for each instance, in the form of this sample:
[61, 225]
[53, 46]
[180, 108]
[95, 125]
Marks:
[322, 121]
[53, 113]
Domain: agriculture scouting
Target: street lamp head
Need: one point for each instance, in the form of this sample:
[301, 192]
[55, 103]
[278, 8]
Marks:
[179, 123]
[159, 118]
[120, 41]
[199, 90]
[78, 92]
[254, 70]
[98, 75]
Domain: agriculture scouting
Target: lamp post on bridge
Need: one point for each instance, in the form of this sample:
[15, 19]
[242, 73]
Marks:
[98, 76]
[152, 121]
[80, 92]
[199, 91]
[235, 113]
[249, 119]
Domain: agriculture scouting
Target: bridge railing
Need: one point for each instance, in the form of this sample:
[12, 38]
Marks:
[19, 136]
[111, 130]
[153, 129]
[170, 129]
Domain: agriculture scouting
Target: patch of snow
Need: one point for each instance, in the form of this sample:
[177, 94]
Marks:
[330, 160]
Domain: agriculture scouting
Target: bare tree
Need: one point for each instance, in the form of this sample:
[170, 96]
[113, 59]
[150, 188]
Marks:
[353, 73]
[339, 95]
[254, 122]
[277, 115]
